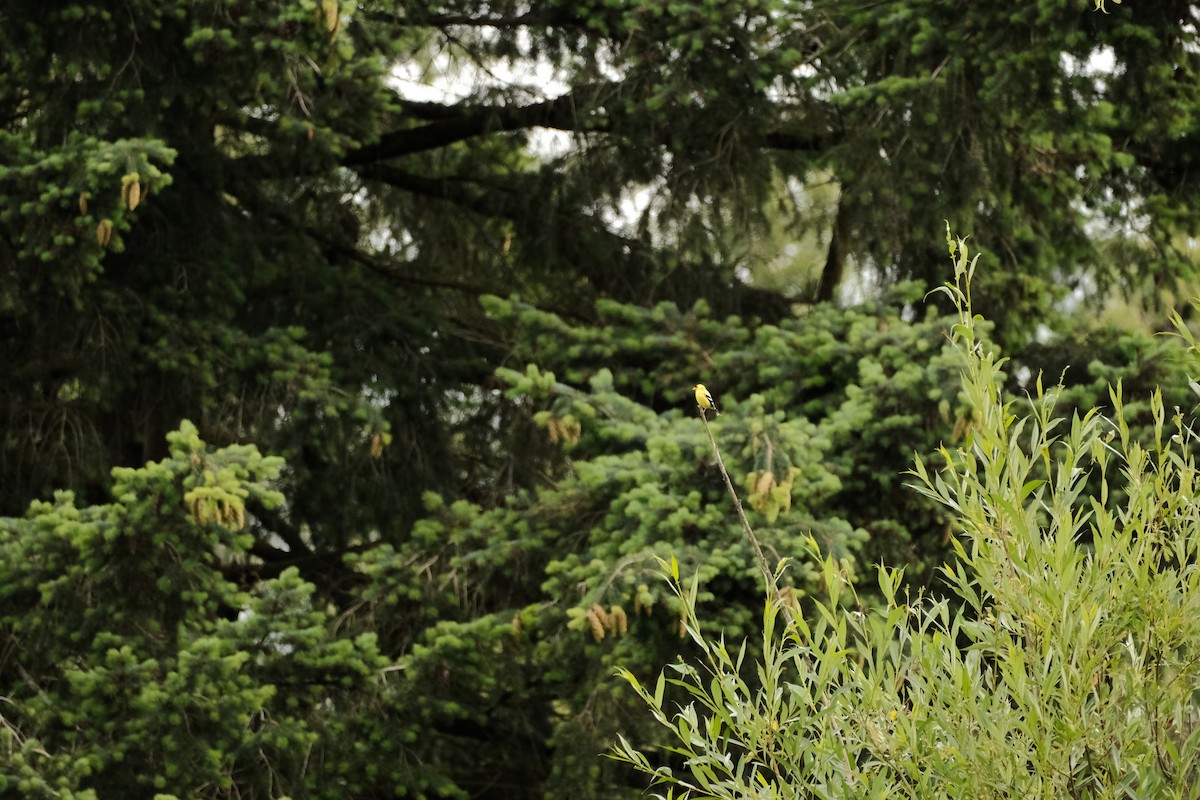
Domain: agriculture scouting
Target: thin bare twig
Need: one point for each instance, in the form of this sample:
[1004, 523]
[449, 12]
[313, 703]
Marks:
[763, 564]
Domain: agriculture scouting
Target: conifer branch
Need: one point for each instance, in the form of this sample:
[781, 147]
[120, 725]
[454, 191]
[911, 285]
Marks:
[458, 123]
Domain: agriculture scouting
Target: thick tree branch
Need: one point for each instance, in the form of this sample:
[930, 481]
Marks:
[568, 112]
[576, 238]
[565, 112]
[274, 522]
[431, 111]
[835, 260]
[577, 232]
[788, 140]
[388, 269]
[450, 189]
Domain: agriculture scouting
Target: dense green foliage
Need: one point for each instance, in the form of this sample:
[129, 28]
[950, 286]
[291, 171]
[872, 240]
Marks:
[1068, 669]
[137, 665]
[453, 266]
[511, 637]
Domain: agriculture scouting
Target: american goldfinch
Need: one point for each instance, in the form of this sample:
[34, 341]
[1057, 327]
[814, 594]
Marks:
[704, 400]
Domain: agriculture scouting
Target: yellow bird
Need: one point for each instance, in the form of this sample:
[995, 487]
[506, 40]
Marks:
[704, 400]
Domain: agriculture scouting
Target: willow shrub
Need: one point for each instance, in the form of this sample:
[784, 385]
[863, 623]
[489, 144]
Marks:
[1063, 662]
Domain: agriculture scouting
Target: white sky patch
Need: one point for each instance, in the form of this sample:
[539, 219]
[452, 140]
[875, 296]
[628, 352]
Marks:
[450, 80]
[451, 77]
[427, 84]
[860, 280]
[1101, 64]
[629, 209]
[548, 144]
[394, 242]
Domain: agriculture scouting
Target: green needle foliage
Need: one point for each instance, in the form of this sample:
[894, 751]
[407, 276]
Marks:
[1064, 663]
[134, 665]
